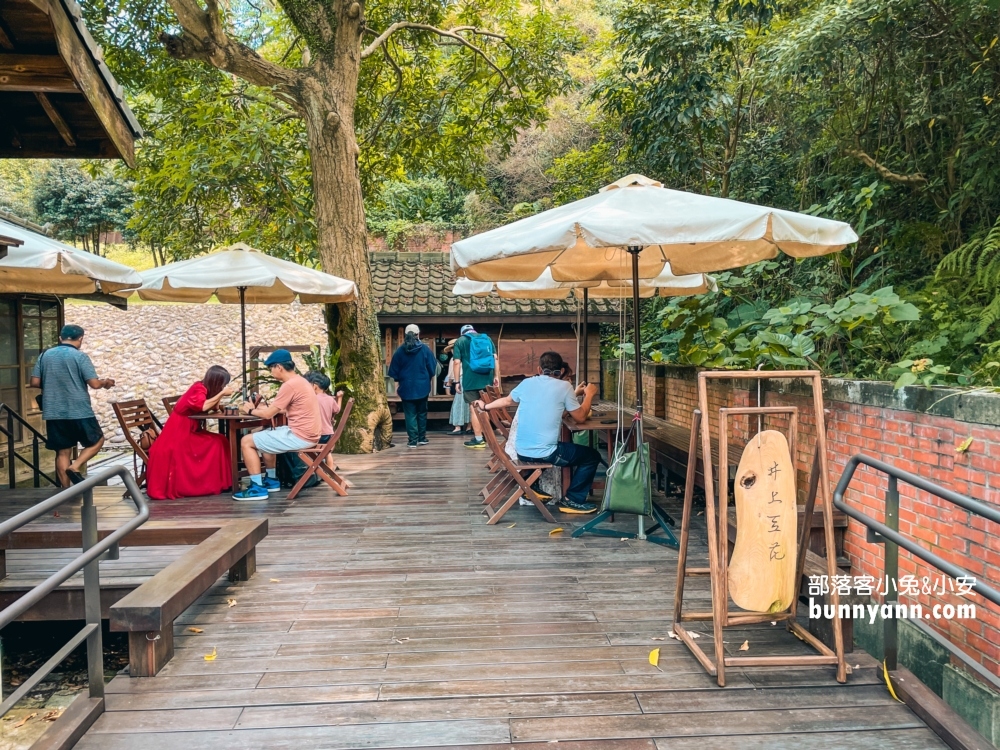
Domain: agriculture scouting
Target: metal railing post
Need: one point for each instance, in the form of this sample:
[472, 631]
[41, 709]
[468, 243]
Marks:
[890, 642]
[92, 598]
[11, 471]
[35, 460]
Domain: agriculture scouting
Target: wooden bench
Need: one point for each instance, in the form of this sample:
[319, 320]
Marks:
[67, 536]
[148, 613]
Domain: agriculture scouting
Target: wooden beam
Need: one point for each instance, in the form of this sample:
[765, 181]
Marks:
[84, 70]
[5, 41]
[35, 73]
[57, 119]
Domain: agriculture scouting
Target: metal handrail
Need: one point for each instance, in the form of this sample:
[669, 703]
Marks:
[893, 540]
[13, 455]
[89, 561]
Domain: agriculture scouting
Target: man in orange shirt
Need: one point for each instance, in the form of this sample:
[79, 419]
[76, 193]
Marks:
[297, 399]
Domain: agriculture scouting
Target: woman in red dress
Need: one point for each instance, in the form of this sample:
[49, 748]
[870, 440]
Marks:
[186, 460]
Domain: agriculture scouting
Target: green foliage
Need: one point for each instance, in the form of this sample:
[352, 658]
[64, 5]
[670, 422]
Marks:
[81, 207]
[327, 361]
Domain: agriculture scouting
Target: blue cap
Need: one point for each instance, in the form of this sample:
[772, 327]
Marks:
[277, 357]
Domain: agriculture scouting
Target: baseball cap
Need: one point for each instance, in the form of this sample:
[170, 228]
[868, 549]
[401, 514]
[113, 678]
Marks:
[277, 357]
[412, 328]
[466, 329]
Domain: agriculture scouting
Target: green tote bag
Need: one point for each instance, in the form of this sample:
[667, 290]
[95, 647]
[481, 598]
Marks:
[627, 489]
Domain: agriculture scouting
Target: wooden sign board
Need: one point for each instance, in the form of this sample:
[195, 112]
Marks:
[762, 569]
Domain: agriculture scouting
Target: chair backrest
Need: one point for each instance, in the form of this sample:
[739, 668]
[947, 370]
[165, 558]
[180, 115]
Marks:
[494, 445]
[169, 402]
[500, 418]
[345, 414]
[136, 416]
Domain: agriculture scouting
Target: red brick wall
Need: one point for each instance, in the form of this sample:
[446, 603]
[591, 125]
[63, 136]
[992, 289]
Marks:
[912, 440]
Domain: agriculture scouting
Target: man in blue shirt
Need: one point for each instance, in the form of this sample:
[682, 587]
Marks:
[64, 373]
[542, 401]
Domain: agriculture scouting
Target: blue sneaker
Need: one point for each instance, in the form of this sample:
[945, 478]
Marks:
[253, 492]
[271, 485]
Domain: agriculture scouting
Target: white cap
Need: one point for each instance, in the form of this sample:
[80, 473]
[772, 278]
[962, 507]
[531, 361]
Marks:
[412, 328]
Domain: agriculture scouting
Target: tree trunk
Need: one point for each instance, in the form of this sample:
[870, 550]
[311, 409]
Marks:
[329, 98]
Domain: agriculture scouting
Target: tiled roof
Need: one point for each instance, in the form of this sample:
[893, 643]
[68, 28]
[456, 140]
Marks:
[421, 283]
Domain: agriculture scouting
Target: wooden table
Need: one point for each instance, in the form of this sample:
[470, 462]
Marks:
[231, 425]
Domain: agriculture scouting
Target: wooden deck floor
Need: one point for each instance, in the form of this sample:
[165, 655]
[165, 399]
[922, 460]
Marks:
[396, 618]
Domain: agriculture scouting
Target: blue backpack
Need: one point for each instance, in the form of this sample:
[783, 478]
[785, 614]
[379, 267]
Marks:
[480, 353]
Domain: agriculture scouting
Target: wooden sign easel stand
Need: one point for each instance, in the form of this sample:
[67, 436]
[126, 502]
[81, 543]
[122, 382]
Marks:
[717, 520]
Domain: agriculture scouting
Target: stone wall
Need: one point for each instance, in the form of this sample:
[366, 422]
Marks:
[157, 350]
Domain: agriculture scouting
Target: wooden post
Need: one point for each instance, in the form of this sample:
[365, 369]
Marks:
[148, 651]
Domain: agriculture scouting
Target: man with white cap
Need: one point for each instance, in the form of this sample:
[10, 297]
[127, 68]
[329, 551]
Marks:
[413, 367]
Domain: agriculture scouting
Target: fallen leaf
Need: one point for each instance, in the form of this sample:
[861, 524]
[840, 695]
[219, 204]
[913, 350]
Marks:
[654, 657]
[694, 635]
[623, 539]
[556, 530]
[674, 636]
[964, 445]
[211, 656]
[275, 580]
[656, 639]
[56, 514]
[25, 720]
[745, 646]
[701, 512]
[774, 622]
[195, 630]
[512, 525]
[52, 715]
[231, 602]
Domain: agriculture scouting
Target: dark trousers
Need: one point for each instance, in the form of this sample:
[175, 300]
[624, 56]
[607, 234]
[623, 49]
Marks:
[582, 459]
[415, 411]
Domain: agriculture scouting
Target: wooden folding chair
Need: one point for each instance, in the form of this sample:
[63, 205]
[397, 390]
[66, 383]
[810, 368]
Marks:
[136, 419]
[515, 477]
[315, 459]
[501, 421]
[169, 403]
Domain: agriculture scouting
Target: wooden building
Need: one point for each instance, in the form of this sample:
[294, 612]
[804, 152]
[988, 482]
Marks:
[57, 100]
[416, 288]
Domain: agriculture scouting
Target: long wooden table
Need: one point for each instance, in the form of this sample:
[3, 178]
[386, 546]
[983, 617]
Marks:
[230, 425]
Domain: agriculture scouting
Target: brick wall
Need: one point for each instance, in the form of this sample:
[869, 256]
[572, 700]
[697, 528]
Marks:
[918, 430]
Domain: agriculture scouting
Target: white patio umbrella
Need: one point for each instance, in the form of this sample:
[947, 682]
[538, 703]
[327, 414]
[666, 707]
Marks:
[42, 265]
[590, 240]
[545, 287]
[239, 274]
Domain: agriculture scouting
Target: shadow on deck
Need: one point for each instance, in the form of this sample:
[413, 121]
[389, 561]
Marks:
[395, 617]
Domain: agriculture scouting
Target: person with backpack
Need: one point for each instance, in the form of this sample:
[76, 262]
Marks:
[479, 370]
[413, 367]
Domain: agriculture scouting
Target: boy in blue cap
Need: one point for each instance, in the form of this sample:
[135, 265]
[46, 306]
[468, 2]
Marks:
[297, 400]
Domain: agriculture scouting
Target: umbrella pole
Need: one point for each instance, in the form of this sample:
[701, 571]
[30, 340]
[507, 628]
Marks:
[243, 337]
[586, 335]
[634, 252]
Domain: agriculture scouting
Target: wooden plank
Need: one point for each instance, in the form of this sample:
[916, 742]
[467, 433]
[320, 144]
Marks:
[864, 739]
[955, 731]
[35, 73]
[157, 603]
[64, 130]
[74, 722]
[150, 534]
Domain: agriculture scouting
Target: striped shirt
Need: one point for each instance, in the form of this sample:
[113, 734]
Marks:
[64, 371]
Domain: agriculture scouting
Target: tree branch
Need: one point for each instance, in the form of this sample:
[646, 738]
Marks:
[884, 172]
[387, 106]
[205, 39]
[448, 33]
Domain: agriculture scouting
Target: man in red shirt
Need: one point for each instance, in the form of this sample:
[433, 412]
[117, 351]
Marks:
[297, 400]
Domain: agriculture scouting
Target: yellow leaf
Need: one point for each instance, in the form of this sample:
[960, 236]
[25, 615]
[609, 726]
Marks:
[195, 630]
[231, 602]
[930, 125]
[654, 657]
[556, 530]
[211, 656]
[745, 646]
[512, 525]
[25, 720]
[275, 580]
[964, 445]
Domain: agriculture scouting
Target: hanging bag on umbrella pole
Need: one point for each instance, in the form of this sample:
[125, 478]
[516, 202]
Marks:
[627, 487]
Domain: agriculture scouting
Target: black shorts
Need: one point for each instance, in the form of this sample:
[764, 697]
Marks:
[66, 433]
[471, 397]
